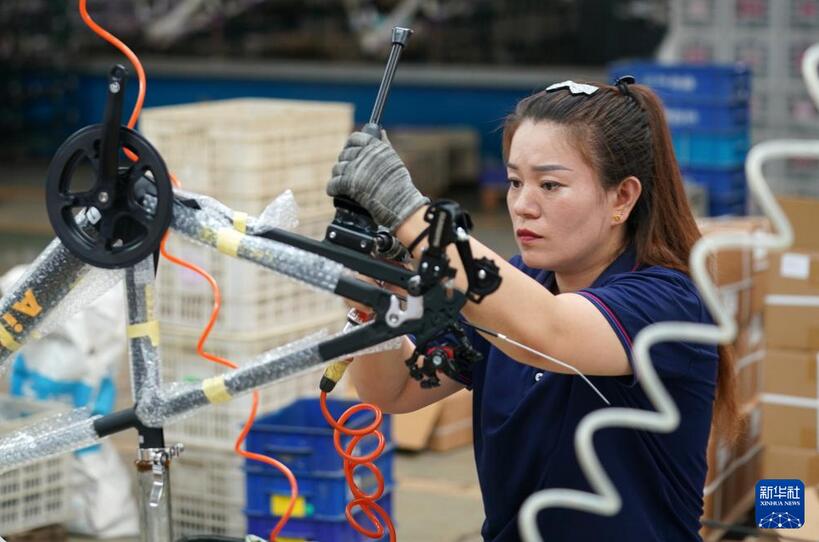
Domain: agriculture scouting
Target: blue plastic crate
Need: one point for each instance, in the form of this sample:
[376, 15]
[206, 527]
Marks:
[707, 117]
[733, 205]
[718, 181]
[690, 83]
[711, 150]
[299, 437]
[322, 494]
[317, 528]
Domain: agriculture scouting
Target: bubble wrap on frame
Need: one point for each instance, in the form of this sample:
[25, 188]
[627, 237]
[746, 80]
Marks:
[91, 286]
[204, 226]
[390, 344]
[57, 435]
[281, 213]
[176, 400]
[143, 353]
[38, 291]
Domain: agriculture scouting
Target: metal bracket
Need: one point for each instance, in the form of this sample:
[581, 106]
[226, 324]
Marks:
[160, 459]
[414, 310]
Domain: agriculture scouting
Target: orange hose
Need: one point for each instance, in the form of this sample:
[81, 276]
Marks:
[200, 349]
[367, 502]
[217, 295]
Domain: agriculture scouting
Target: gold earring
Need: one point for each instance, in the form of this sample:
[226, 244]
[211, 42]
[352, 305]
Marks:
[617, 218]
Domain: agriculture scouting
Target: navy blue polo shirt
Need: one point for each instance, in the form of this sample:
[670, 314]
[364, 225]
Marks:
[524, 421]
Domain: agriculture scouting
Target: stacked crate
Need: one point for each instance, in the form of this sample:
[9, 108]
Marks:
[244, 153]
[36, 495]
[300, 436]
[707, 109]
[740, 275]
[770, 37]
[789, 425]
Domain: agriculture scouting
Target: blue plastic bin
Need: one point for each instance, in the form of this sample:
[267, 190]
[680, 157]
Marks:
[727, 205]
[716, 84]
[718, 181]
[707, 117]
[711, 149]
[317, 528]
[324, 494]
[299, 437]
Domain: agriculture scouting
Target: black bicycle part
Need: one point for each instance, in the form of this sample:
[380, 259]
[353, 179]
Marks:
[450, 224]
[400, 37]
[120, 230]
[452, 355]
[353, 226]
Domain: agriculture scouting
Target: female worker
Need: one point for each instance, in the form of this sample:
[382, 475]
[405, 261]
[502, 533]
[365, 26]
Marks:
[604, 231]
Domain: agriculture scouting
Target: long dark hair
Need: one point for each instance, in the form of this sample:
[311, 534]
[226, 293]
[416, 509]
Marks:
[622, 131]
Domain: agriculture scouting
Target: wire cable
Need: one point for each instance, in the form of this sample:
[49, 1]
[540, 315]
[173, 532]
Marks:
[217, 296]
[606, 500]
[541, 354]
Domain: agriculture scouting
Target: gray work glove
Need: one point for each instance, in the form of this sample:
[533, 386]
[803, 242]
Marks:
[370, 172]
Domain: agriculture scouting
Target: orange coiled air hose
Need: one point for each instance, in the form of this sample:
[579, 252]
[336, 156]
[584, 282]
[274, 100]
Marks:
[367, 502]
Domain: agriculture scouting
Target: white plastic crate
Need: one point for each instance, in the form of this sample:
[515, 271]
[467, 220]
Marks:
[248, 151]
[218, 474]
[216, 427]
[253, 298]
[35, 495]
[308, 183]
[197, 514]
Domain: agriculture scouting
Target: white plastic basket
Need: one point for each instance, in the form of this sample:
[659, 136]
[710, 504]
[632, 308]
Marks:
[250, 150]
[216, 427]
[197, 514]
[219, 474]
[253, 298]
[35, 495]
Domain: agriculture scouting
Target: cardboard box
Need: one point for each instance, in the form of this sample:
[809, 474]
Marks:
[740, 483]
[789, 424]
[750, 338]
[454, 426]
[810, 529]
[441, 426]
[726, 492]
[794, 273]
[749, 376]
[759, 289]
[734, 266]
[786, 463]
[804, 216]
[790, 372]
[792, 321]
[736, 298]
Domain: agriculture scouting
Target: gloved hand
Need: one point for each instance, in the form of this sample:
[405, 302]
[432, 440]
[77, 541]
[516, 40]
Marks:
[370, 172]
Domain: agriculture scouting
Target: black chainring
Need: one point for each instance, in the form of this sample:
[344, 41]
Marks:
[128, 230]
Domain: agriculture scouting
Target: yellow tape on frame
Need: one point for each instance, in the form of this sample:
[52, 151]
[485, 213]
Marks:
[145, 329]
[227, 241]
[215, 390]
[240, 221]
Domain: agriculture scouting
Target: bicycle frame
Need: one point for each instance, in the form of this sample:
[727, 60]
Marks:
[320, 264]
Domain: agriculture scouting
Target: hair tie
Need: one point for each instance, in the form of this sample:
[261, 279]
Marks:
[622, 84]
